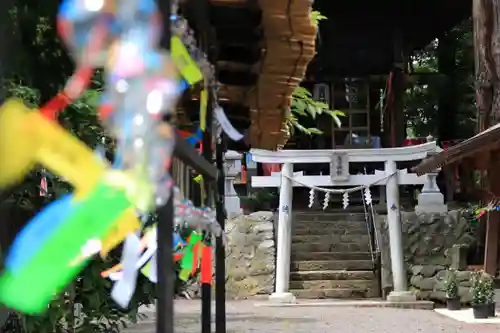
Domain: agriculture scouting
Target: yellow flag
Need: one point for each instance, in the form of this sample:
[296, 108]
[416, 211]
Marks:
[126, 223]
[185, 64]
[26, 138]
[203, 109]
[18, 145]
[68, 157]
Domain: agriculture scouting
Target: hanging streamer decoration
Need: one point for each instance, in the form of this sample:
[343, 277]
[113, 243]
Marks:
[189, 251]
[368, 196]
[141, 85]
[345, 200]
[365, 190]
[492, 206]
[312, 197]
[326, 200]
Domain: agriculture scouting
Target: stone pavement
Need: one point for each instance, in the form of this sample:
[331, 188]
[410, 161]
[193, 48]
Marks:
[243, 317]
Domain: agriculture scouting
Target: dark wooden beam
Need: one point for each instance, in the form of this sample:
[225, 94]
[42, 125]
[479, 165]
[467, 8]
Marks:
[239, 35]
[243, 54]
[231, 18]
[235, 3]
[237, 78]
[233, 66]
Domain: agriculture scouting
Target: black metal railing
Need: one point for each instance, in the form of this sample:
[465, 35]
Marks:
[213, 180]
[188, 160]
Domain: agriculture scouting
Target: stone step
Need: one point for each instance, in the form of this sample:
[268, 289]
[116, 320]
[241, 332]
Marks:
[322, 228]
[336, 208]
[344, 293]
[335, 284]
[337, 247]
[328, 217]
[328, 230]
[326, 265]
[332, 275]
[330, 239]
[331, 256]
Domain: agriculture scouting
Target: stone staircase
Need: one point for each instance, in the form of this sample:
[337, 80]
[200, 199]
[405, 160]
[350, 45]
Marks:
[331, 257]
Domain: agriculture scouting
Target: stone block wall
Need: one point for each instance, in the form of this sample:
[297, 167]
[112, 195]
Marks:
[427, 281]
[250, 261]
[427, 243]
[250, 257]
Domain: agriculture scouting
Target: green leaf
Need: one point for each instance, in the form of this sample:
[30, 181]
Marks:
[335, 116]
[301, 92]
[316, 17]
[321, 105]
[300, 127]
[313, 111]
[335, 113]
[313, 130]
[300, 105]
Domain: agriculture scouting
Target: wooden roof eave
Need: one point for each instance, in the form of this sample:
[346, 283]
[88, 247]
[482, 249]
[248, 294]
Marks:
[286, 48]
[481, 143]
[289, 47]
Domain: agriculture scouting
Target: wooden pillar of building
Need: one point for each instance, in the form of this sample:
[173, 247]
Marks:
[395, 116]
[492, 222]
[486, 33]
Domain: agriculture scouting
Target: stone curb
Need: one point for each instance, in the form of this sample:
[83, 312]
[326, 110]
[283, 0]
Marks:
[417, 305]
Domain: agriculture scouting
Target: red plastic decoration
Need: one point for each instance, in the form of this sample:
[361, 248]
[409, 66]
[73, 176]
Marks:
[206, 265]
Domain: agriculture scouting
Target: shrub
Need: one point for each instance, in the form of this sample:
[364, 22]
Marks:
[451, 285]
[482, 289]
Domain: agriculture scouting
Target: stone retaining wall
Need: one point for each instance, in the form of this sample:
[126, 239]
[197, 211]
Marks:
[428, 243]
[427, 281]
[250, 261]
[250, 257]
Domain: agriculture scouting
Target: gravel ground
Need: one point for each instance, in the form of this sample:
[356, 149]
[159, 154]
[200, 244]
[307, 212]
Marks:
[244, 317]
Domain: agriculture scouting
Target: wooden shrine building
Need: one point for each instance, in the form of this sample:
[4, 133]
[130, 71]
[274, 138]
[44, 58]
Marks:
[478, 153]
[261, 50]
[363, 52]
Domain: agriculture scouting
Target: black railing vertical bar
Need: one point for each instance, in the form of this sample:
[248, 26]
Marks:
[165, 264]
[165, 269]
[220, 250]
[207, 153]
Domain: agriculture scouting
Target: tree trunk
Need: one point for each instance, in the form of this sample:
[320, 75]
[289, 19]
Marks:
[487, 54]
[486, 18]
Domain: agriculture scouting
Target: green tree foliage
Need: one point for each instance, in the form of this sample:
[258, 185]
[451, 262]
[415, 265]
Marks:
[422, 98]
[98, 312]
[303, 105]
[38, 67]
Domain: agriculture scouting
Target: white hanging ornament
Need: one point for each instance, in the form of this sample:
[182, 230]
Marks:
[368, 196]
[326, 201]
[345, 200]
[311, 198]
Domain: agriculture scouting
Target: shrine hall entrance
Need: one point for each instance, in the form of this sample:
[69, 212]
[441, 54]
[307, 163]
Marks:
[362, 124]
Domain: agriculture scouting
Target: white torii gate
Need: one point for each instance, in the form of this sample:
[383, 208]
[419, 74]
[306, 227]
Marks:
[430, 199]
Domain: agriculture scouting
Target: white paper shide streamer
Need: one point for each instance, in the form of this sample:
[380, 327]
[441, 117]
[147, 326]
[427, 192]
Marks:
[368, 196]
[312, 196]
[326, 200]
[345, 200]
